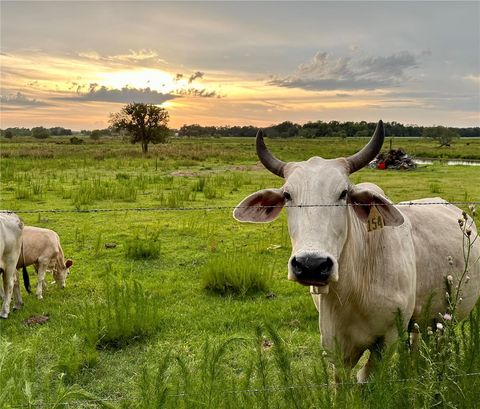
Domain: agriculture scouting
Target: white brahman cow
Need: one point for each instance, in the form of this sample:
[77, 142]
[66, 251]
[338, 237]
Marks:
[41, 248]
[365, 259]
[11, 227]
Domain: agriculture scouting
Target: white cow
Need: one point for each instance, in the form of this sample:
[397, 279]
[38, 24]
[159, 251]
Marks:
[41, 248]
[11, 227]
[361, 279]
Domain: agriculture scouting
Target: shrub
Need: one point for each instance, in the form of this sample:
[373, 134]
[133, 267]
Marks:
[76, 141]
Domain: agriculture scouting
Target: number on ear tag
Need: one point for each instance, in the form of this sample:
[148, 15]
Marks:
[375, 220]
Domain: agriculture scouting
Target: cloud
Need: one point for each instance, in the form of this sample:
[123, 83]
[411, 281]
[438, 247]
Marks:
[21, 100]
[467, 102]
[196, 75]
[124, 95]
[197, 93]
[143, 57]
[324, 72]
[473, 78]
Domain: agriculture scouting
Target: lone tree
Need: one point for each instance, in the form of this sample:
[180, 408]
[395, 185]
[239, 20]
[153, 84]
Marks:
[144, 123]
[444, 136]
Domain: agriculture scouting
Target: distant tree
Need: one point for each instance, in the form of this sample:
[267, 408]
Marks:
[40, 132]
[285, 129]
[144, 123]
[443, 135]
[58, 131]
[8, 133]
[191, 131]
[95, 134]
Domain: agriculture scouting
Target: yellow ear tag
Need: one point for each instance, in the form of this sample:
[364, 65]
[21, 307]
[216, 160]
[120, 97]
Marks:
[375, 220]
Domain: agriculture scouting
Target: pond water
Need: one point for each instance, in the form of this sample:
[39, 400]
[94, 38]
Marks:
[451, 162]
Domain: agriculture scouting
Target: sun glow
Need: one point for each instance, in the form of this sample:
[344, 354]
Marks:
[157, 80]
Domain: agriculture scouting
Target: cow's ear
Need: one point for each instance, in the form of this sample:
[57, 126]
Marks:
[363, 200]
[68, 263]
[260, 207]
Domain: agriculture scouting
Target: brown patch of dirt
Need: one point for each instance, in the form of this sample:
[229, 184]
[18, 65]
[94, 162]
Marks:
[266, 344]
[36, 319]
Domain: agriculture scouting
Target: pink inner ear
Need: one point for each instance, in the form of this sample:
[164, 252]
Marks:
[260, 207]
[68, 263]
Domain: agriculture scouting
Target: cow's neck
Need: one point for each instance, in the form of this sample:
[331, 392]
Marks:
[358, 261]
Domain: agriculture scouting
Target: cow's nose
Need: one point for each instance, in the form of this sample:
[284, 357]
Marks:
[312, 268]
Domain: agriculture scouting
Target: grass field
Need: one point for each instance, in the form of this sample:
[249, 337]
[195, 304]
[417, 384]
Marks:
[148, 321]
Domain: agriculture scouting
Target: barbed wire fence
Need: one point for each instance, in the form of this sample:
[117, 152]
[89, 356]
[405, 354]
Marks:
[227, 207]
[250, 391]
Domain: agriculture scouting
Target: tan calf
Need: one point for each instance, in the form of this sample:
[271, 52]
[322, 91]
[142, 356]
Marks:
[42, 249]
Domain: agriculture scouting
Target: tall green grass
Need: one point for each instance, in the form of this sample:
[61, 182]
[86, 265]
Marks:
[27, 382]
[237, 272]
[143, 247]
[270, 378]
[126, 313]
[89, 192]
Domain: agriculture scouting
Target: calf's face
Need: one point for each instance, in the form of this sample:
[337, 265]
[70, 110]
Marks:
[60, 273]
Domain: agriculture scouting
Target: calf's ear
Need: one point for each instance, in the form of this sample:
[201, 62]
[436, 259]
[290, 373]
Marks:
[260, 207]
[68, 263]
[363, 200]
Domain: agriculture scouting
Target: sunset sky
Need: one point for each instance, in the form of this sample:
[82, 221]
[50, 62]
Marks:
[73, 63]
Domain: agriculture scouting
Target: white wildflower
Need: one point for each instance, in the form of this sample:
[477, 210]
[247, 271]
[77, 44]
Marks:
[472, 209]
[439, 326]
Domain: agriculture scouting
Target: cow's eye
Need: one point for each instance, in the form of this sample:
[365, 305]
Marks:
[343, 195]
[287, 196]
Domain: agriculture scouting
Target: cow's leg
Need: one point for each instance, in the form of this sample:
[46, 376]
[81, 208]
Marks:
[17, 296]
[375, 355]
[366, 370]
[414, 341]
[41, 271]
[2, 295]
[8, 280]
[349, 359]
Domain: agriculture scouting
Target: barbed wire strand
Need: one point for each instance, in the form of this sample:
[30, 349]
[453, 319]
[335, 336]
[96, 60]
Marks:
[212, 208]
[235, 392]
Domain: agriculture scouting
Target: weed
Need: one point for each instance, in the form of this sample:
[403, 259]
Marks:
[145, 247]
[74, 355]
[125, 314]
[435, 187]
[238, 272]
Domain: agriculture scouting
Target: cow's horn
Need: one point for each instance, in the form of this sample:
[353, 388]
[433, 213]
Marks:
[274, 165]
[369, 151]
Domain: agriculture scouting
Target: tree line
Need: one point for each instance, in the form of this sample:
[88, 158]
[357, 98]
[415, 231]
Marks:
[38, 132]
[148, 123]
[287, 129]
[320, 129]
